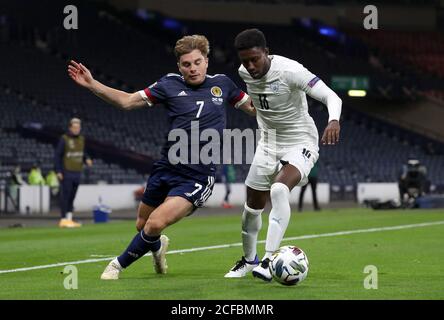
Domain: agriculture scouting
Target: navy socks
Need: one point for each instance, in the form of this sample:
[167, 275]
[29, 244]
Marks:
[138, 247]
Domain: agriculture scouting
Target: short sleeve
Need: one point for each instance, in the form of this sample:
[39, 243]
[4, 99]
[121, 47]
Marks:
[236, 97]
[155, 93]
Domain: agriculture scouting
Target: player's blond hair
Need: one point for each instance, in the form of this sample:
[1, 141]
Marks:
[189, 43]
[74, 121]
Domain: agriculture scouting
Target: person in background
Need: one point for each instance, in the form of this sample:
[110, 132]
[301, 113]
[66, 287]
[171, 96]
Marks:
[69, 159]
[228, 177]
[53, 182]
[17, 178]
[35, 177]
[313, 182]
[16, 181]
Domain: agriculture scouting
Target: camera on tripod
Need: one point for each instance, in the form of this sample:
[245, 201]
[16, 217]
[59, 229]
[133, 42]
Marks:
[413, 182]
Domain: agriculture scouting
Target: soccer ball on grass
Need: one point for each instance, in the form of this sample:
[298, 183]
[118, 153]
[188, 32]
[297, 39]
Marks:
[289, 265]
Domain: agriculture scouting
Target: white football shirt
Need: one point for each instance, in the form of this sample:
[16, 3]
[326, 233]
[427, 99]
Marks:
[281, 102]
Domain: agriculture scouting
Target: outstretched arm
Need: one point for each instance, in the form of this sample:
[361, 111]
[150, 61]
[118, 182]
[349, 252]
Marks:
[83, 77]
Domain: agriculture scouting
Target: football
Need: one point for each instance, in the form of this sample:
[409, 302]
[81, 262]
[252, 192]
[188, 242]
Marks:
[289, 265]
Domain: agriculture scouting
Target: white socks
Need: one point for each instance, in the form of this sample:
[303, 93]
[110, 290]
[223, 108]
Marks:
[279, 217]
[251, 224]
[117, 264]
[278, 222]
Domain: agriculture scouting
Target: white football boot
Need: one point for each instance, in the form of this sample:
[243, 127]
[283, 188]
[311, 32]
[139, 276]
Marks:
[112, 270]
[242, 268]
[262, 271]
[159, 259]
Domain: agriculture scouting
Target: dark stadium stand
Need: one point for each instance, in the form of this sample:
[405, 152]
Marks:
[418, 54]
[27, 152]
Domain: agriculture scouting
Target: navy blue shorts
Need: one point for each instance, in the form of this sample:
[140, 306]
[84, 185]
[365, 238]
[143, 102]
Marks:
[164, 182]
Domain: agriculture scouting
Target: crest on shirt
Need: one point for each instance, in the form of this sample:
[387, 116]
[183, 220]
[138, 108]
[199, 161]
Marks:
[71, 144]
[216, 91]
[275, 86]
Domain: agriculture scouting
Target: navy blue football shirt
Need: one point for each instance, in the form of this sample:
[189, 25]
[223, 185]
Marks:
[202, 107]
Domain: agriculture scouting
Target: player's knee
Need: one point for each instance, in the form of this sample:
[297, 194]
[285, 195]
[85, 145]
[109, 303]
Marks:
[256, 199]
[256, 203]
[279, 191]
[155, 226]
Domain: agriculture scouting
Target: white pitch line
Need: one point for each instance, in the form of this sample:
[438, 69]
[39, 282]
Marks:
[100, 255]
[238, 244]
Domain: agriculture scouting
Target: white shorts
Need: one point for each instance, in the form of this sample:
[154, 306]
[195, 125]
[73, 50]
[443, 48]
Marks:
[266, 165]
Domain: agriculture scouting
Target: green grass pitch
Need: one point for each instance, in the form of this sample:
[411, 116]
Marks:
[409, 261]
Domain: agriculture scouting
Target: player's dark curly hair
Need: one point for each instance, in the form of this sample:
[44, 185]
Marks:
[250, 38]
